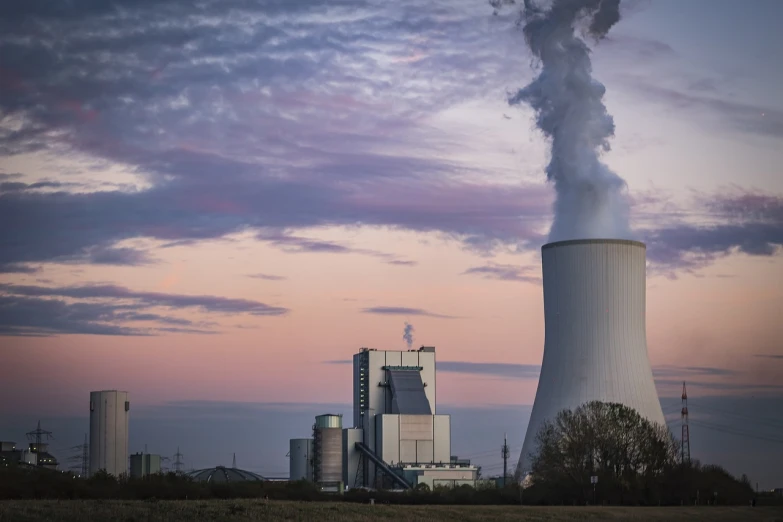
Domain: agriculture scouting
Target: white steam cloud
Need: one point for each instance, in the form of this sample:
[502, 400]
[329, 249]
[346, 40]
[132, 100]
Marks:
[569, 110]
[407, 336]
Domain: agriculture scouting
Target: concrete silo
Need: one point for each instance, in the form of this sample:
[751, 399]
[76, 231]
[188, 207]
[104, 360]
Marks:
[595, 346]
[328, 449]
[109, 411]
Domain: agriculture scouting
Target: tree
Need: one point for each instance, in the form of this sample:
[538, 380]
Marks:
[628, 453]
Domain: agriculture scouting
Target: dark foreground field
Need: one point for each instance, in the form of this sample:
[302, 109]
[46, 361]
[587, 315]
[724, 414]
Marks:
[198, 510]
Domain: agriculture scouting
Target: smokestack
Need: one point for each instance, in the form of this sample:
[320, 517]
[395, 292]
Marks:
[407, 336]
[569, 108]
[595, 346]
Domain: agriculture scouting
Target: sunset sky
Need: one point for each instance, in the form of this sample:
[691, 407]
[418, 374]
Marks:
[214, 205]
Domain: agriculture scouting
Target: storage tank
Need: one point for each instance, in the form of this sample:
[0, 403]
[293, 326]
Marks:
[595, 344]
[109, 412]
[328, 448]
[301, 460]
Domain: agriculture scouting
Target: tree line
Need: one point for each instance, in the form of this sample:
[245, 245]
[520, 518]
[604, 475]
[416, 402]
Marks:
[634, 461]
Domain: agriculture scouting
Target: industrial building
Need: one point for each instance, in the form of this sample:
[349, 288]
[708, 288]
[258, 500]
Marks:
[9, 454]
[109, 415]
[595, 345]
[398, 440]
[144, 464]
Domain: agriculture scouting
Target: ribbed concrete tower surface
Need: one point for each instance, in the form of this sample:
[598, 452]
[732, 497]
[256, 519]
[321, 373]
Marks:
[595, 346]
[109, 411]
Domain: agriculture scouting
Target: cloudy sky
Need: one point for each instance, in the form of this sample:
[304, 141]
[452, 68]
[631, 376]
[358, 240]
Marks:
[213, 204]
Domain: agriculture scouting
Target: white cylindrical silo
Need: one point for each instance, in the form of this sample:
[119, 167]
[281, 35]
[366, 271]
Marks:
[300, 462]
[595, 346]
[109, 411]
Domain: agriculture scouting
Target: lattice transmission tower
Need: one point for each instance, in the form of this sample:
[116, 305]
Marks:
[178, 464]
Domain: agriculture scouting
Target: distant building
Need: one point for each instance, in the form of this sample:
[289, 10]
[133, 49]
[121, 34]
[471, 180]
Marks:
[144, 464]
[42, 456]
[9, 454]
[109, 413]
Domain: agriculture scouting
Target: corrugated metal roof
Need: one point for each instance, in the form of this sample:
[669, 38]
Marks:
[221, 474]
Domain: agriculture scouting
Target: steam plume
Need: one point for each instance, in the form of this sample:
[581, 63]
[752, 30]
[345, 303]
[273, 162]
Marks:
[408, 335]
[569, 110]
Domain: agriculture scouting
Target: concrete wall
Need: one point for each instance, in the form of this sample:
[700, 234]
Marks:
[411, 439]
[351, 458]
[431, 476]
[109, 416]
[595, 346]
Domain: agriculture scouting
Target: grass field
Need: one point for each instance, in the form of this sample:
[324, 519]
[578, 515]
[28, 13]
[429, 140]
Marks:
[197, 510]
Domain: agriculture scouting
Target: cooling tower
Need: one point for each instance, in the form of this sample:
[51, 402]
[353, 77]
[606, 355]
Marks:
[595, 346]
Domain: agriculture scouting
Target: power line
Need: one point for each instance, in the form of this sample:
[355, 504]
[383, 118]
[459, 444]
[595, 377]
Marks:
[734, 431]
[758, 420]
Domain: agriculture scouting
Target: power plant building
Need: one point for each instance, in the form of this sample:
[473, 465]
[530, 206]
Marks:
[398, 440]
[109, 414]
[595, 335]
[144, 464]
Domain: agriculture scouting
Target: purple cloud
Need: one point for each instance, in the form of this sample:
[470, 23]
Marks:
[206, 303]
[505, 273]
[277, 119]
[267, 277]
[401, 310]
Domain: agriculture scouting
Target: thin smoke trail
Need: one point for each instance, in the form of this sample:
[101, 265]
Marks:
[407, 336]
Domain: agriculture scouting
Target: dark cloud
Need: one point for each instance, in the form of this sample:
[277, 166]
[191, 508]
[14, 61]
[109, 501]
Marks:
[26, 316]
[691, 371]
[743, 117]
[4, 176]
[506, 370]
[18, 268]
[400, 262]
[13, 186]
[294, 244]
[720, 387]
[117, 256]
[110, 310]
[206, 303]
[637, 46]
[756, 228]
[505, 273]
[267, 277]
[276, 117]
[293, 102]
[769, 355]
[401, 310]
